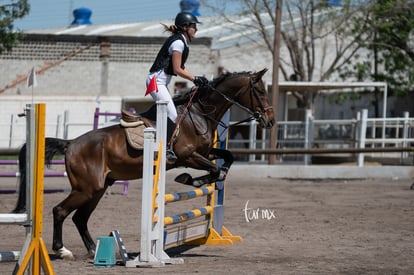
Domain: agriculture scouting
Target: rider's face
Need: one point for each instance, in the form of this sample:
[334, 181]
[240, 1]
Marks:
[192, 29]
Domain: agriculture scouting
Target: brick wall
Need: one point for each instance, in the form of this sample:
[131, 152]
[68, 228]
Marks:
[129, 61]
[73, 87]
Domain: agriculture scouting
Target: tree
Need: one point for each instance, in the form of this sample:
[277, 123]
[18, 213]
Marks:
[388, 46]
[315, 38]
[8, 13]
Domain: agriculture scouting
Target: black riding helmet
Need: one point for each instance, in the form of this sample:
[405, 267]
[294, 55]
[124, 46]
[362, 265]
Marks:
[185, 18]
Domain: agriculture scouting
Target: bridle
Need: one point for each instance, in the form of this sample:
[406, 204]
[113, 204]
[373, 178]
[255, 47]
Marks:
[253, 93]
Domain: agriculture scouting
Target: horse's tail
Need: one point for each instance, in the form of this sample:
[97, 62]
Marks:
[53, 146]
[21, 200]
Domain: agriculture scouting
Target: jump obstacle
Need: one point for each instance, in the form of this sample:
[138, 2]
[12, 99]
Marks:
[34, 253]
[159, 232]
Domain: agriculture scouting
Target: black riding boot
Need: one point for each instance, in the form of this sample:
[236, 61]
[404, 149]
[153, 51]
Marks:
[170, 155]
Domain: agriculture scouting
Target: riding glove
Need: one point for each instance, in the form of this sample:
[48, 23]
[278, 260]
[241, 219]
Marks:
[200, 81]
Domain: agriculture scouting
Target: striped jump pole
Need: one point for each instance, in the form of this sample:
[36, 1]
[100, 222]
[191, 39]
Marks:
[173, 197]
[211, 231]
[188, 215]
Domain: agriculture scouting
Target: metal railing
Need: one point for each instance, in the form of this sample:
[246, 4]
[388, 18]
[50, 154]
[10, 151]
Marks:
[297, 141]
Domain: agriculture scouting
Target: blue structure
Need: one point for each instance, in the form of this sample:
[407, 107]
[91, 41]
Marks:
[334, 3]
[82, 16]
[190, 6]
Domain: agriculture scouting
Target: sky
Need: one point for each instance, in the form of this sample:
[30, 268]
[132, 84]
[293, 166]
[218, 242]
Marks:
[59, 13]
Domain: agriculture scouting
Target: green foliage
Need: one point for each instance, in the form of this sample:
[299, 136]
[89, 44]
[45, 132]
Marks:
[340, 98]
[8, 13]
[388, 42]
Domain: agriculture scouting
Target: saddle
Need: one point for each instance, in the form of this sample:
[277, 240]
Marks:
[129, 119]
[134, 126]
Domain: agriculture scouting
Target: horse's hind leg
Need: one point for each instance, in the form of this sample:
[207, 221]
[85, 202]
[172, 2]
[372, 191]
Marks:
[74, 201]
[60, 212]
[81, 217]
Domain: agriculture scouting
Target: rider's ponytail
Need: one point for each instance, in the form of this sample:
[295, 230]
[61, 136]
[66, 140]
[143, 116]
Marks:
[171, 28]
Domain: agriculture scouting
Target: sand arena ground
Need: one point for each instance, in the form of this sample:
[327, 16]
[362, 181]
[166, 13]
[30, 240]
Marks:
[317, 227]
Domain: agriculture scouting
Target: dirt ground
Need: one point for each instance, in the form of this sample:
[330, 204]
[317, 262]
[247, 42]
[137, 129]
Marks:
[303, 227]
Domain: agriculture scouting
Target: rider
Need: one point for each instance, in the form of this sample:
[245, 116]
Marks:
[170, 62]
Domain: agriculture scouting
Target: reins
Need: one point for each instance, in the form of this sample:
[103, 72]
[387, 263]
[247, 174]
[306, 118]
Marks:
[253, 115]
[182, 115]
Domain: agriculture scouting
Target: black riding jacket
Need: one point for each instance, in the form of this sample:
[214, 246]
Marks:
[164, 59]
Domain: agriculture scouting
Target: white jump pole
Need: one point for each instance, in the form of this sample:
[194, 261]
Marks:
[152, 252]
[23, 218]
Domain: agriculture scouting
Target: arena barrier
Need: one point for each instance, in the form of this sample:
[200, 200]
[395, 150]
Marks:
[48, 174]
[34, 254]
[9, 174]
[159, 232]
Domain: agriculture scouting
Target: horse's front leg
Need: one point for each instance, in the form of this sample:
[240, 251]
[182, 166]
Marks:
[198, 161]
[227, 156]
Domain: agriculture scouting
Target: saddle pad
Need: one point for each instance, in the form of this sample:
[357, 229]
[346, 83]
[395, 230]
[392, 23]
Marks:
[135, 136]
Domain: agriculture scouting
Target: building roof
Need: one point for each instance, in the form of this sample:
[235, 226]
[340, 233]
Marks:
[224, 32]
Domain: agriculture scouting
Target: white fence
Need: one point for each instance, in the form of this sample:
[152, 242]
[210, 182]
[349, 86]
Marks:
[362, 132]
[66, 116]
[13, 134]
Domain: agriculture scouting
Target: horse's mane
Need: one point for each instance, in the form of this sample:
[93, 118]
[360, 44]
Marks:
[183, 98]
[226, 75]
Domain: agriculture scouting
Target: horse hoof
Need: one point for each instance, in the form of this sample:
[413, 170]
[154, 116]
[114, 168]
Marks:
[184, 178]
[91, 254]
[65, 254]
[223, 175]
[197, 184]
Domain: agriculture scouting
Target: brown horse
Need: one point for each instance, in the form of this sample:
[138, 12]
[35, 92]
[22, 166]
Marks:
[98, 158]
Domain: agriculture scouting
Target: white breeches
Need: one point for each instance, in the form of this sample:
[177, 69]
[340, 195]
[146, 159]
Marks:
[164, 94]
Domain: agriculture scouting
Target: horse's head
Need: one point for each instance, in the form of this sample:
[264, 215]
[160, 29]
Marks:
[257, 100]
[248, 91]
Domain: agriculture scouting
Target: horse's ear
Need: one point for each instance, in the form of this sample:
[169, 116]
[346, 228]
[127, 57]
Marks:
[258, 76]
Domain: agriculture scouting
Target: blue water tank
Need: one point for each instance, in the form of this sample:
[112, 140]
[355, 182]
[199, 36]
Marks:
[82, 16]
[335, 3]
[190, 6]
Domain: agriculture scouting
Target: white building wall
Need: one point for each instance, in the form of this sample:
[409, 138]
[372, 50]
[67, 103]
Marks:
[249, 57]
[66, 116]
[74, 88]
